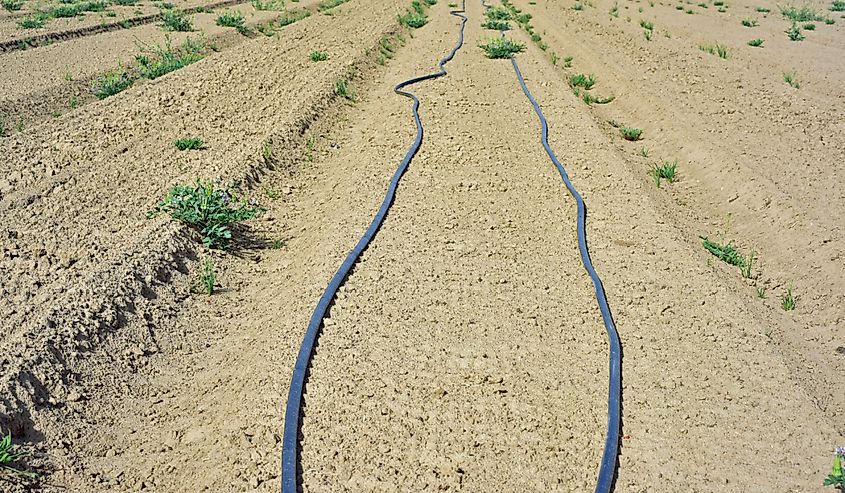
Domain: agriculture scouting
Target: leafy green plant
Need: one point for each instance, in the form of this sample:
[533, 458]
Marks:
[664, 171]
[648, 26]
[155, 61]
[413, 19]
[501, 47]
[176, 21]
[837, 6]
[567, 62]
[614, 11]
[788, 300]
[341, 89]
[329, 4]
[188, 143]
[581, 80]
[207, 208]
[232, 18]
[111, 83]
[11, 5]
[498, 14]
[496, 25]
[630, 133]
[804, 13]
[727, 252]
[268, 4]
[750, 22]
[9, 457]
[267, 151]
[809, 27]
[757, 43]
[33, 21]
[789, 78]
[829, 21]
[794, 33]
[319, 56]
[837, 474]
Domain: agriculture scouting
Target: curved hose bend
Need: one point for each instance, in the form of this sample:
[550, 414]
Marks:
[293, 411]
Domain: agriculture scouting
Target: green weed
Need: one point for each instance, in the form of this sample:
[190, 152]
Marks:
[268, 4]
[591, 100]
[413, 19]
[33, 21]
[665, 171]
[809, 27]
[829, 21]
[341, 89]
[763, 10]
[756, 43]
[266, 151]
[581, 80]
[720, 50]
[207, 278]
[567, 62]
[794, 33]
[501, 48]
[804, 13]
[176, 21]
[325, 5]
[727, 252]
[750, 22]
[207, 208]
[232, 18]
[319, 56]
[155, 61]
[496, 25]
[111, 83]
[788, 300]
[278, 243]
[9, 458]
[789, 78]
[614, 11]
[188, 143]
[837, 6]
[644, 151]
[761, 293]
[498, 14]
[648, 26]
[12, 5]
[630, 133]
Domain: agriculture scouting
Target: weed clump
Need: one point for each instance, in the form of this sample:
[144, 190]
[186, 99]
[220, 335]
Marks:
[719, 50]
[111, 83]
[176, 21]
[413, 19]
[319, 56]
[757, 43]
[208, 208]
[666, 171]
[158, 60]
[794, 33]
[581, 80]
[800, 14]
[33, 21]
[501, 48]
[631, 133]
[496, 25]
[188, 143]
[727, 252]
[12, 5]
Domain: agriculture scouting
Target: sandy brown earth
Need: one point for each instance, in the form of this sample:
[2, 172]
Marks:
[465, 351]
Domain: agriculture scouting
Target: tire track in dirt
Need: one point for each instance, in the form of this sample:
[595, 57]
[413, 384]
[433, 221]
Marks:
[466, 350]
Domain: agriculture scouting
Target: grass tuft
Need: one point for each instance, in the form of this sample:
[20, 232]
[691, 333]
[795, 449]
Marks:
[158, 60]
[719, 50]
[727, 252]
[111, 83]
[788, 300]
[666, 171]
[9, 457]
[789, 78]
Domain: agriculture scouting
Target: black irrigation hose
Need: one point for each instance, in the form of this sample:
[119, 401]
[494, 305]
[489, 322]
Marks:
[607, 470]
[293, 412]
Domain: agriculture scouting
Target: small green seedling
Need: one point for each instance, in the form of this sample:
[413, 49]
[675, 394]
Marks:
[206, 280]
[757, 43]
[790, 78]
[788, 300]
[9, 458]
[837, 474]
[582, 80]
[266, 151]
[567, 62]
[761, 293]
[837, 6]
[631, 133]
[342, 89]
[665, 171]
[33, 21]
[319, 56]
[188, 143]
[501, 48]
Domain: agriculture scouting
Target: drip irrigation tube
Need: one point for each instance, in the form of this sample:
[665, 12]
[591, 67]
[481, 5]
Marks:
[607, 470]
[293, 412]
